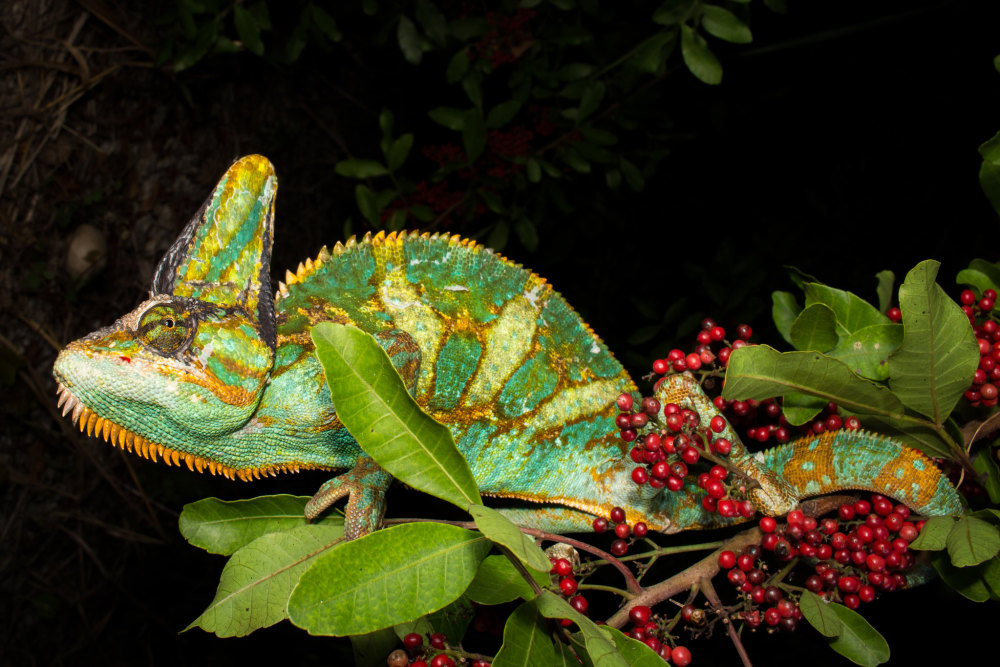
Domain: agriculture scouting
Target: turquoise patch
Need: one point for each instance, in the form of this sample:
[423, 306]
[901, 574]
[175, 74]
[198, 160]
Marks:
[527, 387]
[453, 370]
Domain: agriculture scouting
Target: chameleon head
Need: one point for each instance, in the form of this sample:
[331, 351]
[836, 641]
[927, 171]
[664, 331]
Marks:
[190, 364]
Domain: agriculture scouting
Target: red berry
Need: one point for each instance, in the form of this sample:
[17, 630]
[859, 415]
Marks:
[639, 614]
[640, 529]
[622, 530]
[617, 514]
[692, 361]
[639, 475]
[681, 656]
[442, 660]
[848, 583]
[413, 641]
[718, 424]
[600, 524]
[579, 603]
[619, 548]
[727, 560]
[723, 446]
[768, 524]
[743, 332]
[967, 297]
[661, 366]
[894, 314]
[438, 641]
[717, 333]
[562, 567]
[795, 517]
[568, 585]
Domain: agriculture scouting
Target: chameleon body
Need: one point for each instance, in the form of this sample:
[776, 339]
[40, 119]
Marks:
[213, 372]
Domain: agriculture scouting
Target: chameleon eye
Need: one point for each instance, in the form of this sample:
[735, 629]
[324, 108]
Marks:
[165, 330]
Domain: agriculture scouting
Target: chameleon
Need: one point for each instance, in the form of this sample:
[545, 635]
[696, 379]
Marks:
[216, 372]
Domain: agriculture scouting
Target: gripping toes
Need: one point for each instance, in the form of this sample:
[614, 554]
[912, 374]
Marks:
[365, 486]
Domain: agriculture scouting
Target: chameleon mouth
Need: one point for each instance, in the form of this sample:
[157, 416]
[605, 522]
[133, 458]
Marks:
[117, 435]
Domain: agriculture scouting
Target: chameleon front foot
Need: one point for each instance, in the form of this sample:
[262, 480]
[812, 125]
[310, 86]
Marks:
[365, 486]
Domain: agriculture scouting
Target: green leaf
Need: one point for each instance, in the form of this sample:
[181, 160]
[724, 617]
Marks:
[852, 636]
[452, 620]
[853, 312]
[399, 150]
[533, 170]
[867, 350]
[983, 464]
[968, 581]
[370, 649]
[886, 281]
[784, 310]
[527, 234]
[977, 279]
[257, 580]
[574, 71]
[393, 575]
[931, 369]
[815, 329]
[600, 648]
[450, 117]
[934, 535]
[502, 113]
[632, 175]
[498, 581]
[528, 641]
[473, 134]
[409, 40]
[723, 24]
[972, 541]
[989, 172]
[989, 269]
[432, 21]
[473, 86]
[759, 371]
[223, 526]
[637, 653]
[458, 66]
[326, 23]
[591, 99]
[990, 571]
[698, 57]
[502, 530]
[372, 402]
[365, 200]
[651, 56]
[800, 408]
[248, 30]
[360, 168]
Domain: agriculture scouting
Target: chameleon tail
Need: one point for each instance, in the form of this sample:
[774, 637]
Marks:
[842, 460]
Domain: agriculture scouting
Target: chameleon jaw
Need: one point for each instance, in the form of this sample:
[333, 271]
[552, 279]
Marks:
[117, 435]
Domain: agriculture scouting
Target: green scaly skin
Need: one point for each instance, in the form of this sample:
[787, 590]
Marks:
[214, 372]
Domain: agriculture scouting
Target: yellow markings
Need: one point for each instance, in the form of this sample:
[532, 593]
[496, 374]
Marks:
[507, 344]
[403, 302]
[901, 476]
[570, 402]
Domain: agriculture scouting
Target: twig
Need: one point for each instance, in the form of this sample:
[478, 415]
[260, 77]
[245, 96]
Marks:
[713, 599]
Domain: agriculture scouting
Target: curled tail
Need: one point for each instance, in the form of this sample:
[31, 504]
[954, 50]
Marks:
[842, 460]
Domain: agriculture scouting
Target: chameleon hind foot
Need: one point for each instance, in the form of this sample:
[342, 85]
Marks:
[365, 486]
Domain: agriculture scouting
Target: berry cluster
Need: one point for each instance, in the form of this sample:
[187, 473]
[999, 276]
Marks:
[415, 649]
[649, 630]
[667, 452]
[568, 585]
[862, 552]
[623, 531]
[508, 38]
[983, 391]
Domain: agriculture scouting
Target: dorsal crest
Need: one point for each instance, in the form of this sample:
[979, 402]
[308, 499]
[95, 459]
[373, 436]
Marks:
[223, 256]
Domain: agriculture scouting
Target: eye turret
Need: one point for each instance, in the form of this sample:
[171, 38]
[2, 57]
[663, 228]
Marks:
[166, 329]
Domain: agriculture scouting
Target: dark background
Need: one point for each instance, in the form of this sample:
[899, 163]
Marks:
[842, 141]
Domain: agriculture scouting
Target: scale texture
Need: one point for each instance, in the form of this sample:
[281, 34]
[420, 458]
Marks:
[215, 372]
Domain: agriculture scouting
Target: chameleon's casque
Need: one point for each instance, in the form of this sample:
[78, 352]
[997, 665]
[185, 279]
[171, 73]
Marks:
[214, 372]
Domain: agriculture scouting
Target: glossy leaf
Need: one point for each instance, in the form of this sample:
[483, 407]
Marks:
[814, 329]
[652, 54]
[257, 580]
[450, 117]
[458, 66]
[932, 367]
[800, 408]
[223, 526]
[502, 113]
[502, 530]
[983, 464]
[723, 24]
[698, 57]
[498, 581]
[968, 581]
[528, 641]
[372, 402]
[852, 636]
[390, 576]
[867, 350]
[972, 541]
